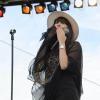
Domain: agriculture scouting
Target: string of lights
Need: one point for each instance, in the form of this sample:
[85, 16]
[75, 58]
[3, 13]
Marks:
[4, 42]
[41, 5]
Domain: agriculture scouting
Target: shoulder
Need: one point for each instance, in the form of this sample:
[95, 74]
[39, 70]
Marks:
[75, 46]
[76, 43]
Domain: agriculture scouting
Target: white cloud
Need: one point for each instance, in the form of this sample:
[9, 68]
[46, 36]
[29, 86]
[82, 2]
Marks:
[91, 70]
[91, 64]
[91, 22]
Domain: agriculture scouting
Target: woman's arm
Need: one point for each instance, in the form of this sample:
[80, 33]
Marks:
[63, 58]
[71, 59]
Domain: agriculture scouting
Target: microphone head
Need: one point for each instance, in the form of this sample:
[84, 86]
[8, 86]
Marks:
[67, 32]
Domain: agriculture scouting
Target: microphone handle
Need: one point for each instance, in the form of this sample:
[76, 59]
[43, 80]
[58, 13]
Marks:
[54, 44]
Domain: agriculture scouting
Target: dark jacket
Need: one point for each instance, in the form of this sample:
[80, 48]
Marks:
[75, 59]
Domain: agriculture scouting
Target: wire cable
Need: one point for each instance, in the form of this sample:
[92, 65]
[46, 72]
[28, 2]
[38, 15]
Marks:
[4, 42]
[97, 84]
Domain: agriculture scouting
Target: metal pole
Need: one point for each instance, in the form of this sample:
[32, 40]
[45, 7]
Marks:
[12, 32]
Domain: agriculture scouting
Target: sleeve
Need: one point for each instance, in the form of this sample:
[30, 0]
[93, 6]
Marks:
[75, 58]
[75, 66]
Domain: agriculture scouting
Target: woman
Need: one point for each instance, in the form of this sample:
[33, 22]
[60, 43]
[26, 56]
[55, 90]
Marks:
[60, 57]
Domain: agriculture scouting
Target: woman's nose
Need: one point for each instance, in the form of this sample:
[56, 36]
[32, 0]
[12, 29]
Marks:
[58, 24]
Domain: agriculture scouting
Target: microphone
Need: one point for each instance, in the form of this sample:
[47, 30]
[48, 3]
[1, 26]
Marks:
[54, 44]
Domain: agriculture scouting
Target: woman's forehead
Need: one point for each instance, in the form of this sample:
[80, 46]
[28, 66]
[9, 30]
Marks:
[62, 20]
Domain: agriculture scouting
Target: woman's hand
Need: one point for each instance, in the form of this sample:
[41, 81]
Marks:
[60, 32]
[63, 58]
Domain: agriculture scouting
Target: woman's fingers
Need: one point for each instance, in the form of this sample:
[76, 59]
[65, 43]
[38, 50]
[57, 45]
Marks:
[61, 35]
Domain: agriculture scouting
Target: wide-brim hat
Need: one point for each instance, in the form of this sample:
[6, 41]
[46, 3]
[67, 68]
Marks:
[54, 15]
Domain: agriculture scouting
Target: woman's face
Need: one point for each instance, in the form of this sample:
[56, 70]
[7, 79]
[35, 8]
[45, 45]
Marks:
[59, 22]
[62, 25]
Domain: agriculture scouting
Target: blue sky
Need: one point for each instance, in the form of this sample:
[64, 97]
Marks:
[28, 32]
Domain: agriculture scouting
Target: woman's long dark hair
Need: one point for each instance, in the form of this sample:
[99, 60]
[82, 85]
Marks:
[45, 44]
[49, 37]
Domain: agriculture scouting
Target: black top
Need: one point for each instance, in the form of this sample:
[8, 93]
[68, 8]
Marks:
[74, 70]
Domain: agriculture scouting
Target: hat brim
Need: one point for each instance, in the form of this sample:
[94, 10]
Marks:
[54, 15]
